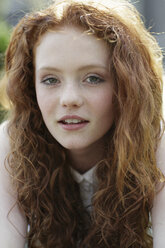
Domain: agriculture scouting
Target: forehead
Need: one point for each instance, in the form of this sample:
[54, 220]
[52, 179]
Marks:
[70, 42]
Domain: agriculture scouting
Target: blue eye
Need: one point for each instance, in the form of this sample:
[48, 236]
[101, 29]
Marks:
[50, 81]
[94, 80]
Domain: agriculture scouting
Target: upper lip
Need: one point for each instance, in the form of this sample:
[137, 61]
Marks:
[66, 117]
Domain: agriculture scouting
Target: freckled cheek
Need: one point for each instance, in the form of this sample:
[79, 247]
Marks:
[104, 101]
[46, 104]
[106, 108]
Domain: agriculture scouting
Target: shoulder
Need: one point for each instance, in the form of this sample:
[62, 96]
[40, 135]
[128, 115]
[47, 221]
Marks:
[160, 154]
[4, 144]
[4, 151]
[6, 188]
[12, 220]
[158, 213]
[4, 137]
[3, 128]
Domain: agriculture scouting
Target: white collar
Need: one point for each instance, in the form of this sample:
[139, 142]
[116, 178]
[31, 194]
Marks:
[88, 185]
[88, 176]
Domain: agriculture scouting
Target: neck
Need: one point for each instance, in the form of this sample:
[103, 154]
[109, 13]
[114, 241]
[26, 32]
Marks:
[84, 159]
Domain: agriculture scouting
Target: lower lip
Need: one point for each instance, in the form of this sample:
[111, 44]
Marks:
[73, 127]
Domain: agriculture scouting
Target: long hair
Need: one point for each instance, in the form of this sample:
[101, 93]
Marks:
[127, 175]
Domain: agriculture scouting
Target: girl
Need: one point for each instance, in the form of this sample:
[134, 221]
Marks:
[78, 153]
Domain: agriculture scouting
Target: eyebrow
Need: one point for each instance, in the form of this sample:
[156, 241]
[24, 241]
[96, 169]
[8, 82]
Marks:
[82, 68]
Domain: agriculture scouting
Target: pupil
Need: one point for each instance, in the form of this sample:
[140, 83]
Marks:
[94, 78]
[51, 80]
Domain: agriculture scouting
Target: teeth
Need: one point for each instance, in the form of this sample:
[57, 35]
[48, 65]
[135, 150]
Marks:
[69, 121]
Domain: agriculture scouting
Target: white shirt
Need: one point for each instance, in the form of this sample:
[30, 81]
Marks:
[88, 185]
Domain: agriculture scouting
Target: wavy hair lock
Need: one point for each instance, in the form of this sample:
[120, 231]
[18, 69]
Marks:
[127, 176]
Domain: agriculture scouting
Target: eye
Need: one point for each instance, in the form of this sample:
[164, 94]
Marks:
[50, 81]
[93, 79]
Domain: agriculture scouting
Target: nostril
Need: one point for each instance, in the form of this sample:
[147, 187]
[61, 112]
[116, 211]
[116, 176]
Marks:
[72, 101]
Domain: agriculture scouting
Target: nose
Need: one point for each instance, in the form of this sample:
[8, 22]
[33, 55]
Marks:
[71, 96]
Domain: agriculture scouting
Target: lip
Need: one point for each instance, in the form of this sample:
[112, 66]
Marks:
[73, 126]
[72, 117]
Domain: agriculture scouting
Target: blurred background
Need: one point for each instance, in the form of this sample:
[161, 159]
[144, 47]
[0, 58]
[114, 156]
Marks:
[152, 12]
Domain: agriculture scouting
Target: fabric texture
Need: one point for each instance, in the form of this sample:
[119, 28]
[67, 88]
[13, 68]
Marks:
[88, 185]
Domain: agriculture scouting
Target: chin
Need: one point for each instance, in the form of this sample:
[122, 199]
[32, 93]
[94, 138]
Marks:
[74, 146]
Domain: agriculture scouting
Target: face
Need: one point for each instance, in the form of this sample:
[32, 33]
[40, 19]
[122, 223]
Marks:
[74, 87]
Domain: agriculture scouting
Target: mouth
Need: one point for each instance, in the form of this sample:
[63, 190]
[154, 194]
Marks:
[72, 119]
[72, 122]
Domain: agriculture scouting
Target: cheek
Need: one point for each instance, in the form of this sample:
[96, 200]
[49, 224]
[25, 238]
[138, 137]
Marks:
[104, 104]
[44, 103]
[108, 111]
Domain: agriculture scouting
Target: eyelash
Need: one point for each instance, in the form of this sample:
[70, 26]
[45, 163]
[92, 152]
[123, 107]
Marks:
[47, 81]
[98, 79]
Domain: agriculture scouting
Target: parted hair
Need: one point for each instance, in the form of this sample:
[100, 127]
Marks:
[127, 176]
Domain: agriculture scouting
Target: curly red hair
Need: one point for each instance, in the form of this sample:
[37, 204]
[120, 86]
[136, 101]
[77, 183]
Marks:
[127, 176]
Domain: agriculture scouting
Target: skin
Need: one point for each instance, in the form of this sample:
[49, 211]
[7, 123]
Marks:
[13, 223]
[158, 213]
[74, 79]
[12, 220]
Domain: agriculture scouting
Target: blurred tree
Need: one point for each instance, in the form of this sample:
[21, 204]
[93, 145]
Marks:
[5, 31]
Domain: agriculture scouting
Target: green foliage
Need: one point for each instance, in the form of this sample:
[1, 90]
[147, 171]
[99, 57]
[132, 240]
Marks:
[5, 31]
[4, 40]
[3, 114]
